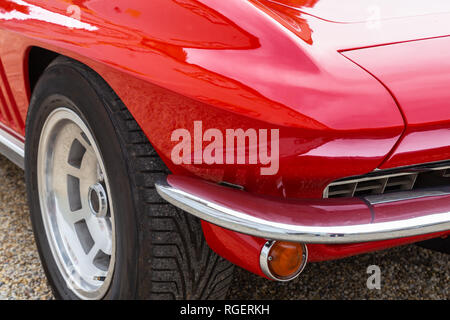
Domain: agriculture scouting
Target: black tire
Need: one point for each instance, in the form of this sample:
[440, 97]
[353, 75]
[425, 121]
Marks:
[439, 244]
[161, 252]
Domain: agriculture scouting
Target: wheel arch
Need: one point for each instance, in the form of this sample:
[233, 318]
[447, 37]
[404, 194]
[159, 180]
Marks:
[37, 60]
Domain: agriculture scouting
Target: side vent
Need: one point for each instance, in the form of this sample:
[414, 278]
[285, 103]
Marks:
[375, 184]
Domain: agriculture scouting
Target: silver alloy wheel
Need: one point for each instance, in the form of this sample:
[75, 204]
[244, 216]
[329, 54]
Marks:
[76, 208]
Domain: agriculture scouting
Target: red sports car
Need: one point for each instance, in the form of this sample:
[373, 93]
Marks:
[164, 141]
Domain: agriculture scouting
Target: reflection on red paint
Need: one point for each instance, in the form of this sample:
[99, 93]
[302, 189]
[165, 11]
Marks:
[234, 64]
[8, 6]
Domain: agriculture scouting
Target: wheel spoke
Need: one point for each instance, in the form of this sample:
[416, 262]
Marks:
[86, 144]
[70, 170]
[96, 256]
[77, 216]
[92, 253]
[100, 232]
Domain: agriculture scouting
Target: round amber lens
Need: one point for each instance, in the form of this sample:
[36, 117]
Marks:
[285, 259]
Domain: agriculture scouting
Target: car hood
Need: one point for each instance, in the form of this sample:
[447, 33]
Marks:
[349, 24]
[354, 11]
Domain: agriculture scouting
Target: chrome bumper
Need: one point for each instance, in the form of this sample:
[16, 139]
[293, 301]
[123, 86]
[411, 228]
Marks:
[329, 221]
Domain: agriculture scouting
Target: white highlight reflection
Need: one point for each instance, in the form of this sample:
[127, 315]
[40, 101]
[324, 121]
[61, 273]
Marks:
[41, 14]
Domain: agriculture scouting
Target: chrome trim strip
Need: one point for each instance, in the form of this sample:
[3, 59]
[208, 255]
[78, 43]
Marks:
[417, 166]
[407, 195]
[264, 257]
[226, 217]
[12, 148]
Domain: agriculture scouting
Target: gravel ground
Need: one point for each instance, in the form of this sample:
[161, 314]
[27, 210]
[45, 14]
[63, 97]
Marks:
[21, 275]
[407, 272]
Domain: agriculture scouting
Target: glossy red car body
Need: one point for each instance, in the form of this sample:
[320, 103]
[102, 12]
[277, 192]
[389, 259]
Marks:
[352, 88]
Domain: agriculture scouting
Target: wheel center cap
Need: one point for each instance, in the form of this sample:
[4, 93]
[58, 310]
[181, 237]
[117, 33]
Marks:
[98, 200]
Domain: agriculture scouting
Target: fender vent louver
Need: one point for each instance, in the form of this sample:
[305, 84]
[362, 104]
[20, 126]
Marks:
[387, 182]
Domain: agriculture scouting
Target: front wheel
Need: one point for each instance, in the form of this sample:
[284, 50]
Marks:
[101, 229]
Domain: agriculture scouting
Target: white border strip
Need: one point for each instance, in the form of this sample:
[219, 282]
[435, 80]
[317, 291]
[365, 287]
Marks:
[12, 148]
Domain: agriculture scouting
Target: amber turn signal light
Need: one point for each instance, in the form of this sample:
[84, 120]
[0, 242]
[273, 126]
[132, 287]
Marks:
[282, 260]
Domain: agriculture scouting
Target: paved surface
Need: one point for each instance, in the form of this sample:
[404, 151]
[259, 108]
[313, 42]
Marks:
[407, 272]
